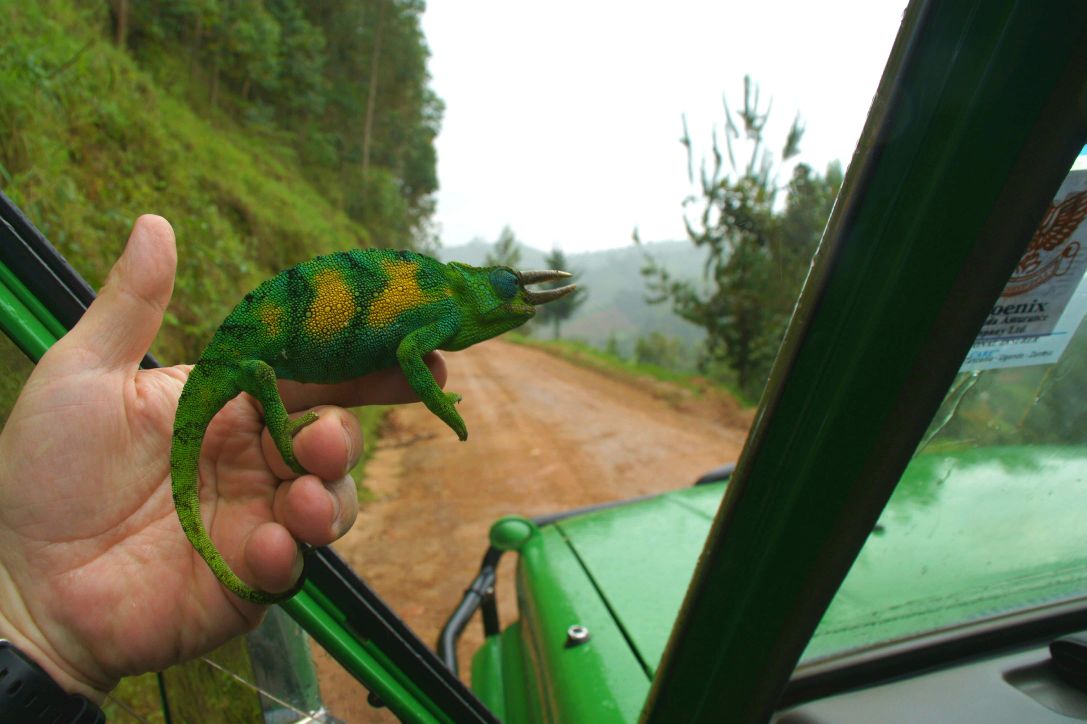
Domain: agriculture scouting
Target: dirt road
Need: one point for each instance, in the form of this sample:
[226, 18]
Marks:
[544, 436]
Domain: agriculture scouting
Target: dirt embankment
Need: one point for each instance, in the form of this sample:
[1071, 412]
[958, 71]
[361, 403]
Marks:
[544, 436]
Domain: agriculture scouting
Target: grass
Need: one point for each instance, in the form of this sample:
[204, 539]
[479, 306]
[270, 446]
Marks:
[16, 369]
[89, 140]
[372, 418]
[194, 690]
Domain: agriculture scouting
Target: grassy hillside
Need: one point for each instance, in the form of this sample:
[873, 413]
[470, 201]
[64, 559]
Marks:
[89, 140]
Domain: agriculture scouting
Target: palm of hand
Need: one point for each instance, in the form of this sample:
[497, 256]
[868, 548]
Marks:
[102, 440]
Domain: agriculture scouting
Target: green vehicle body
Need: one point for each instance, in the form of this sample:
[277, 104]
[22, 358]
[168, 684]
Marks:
[622, 573]
[813, 570]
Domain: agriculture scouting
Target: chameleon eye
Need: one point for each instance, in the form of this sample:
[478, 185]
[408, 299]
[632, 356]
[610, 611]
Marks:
[505, 283]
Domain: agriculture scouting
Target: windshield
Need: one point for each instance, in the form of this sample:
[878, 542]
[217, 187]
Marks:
[987, 518]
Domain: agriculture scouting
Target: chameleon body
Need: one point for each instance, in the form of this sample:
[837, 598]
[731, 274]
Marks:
[331, 319]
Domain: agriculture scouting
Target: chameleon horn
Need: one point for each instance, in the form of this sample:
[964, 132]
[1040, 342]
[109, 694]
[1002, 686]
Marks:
[535, 277]
[548, 295]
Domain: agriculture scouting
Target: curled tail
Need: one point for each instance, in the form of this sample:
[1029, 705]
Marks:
[209, 387]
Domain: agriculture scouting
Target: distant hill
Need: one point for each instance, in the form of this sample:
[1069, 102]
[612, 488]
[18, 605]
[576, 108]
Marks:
[617, 292]
[474, 252]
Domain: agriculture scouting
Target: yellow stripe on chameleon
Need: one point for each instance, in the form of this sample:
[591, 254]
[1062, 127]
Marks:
[401, 293]
[333, 304]
[269, 315]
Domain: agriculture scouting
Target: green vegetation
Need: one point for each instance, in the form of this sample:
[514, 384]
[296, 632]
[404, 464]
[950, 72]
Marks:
[505, 252]
[193, 691]
[136, 698]
[260, 129]
[659, 350]
[372, 418]
[1036, 405]
[16, 369]
[758, 252]
[560, 310]
[195, 688]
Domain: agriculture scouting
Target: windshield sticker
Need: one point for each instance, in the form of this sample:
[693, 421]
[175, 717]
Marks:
[1046, 297]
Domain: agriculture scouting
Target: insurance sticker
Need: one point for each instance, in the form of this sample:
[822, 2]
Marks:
[1046, 297]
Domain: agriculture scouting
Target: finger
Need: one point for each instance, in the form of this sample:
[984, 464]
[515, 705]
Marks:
[272, 558]
[384, 387]
[327, 448]
[121, 323]
[316, 512]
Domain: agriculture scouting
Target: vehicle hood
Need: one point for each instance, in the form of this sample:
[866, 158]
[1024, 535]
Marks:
[967, 535]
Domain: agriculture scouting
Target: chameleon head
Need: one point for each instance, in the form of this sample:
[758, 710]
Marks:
[547, 295]
[502, 299]
[512, 288]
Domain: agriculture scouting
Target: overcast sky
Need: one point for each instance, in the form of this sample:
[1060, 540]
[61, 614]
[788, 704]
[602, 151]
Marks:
[562, 117]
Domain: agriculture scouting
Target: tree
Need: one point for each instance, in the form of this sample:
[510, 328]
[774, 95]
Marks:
[505, 252]
[345, 81]
[119, 10]
[558, 311]
[660, 350]
[758, 253]
[612, 346]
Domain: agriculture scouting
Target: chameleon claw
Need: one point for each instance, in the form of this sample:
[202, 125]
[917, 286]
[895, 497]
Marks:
[460, 428]
[295, 426]
[452, 418]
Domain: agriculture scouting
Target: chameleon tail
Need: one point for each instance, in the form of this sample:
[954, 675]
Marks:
[208, 388]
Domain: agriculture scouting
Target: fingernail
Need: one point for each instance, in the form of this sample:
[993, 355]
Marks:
[337, 524]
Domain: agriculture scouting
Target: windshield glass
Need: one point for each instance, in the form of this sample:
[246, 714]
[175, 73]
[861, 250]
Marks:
[987, 518]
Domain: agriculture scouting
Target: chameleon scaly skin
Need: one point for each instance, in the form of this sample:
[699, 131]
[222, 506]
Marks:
[331, 319]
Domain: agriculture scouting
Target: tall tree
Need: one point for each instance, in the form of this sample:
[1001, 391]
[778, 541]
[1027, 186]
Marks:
[371, 98]
[119, 10]
[758, 252]
[505, 251]
[558, 311]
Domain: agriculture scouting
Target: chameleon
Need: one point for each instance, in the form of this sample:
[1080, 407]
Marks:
[331, 319]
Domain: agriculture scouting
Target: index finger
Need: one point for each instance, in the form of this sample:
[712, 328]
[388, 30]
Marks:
[384, 387]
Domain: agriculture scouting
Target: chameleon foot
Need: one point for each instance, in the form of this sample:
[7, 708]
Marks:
[286, 446]
[449, 414]
[295, 425]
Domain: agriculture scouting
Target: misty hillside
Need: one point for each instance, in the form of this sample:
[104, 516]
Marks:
[617, 292]
[474, 252]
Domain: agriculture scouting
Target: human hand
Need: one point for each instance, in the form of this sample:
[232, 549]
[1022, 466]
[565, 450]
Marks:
[97, 580]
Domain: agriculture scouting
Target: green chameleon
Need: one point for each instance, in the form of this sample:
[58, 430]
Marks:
[331, 319]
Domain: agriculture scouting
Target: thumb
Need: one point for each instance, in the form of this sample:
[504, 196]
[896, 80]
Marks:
[122, 322]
